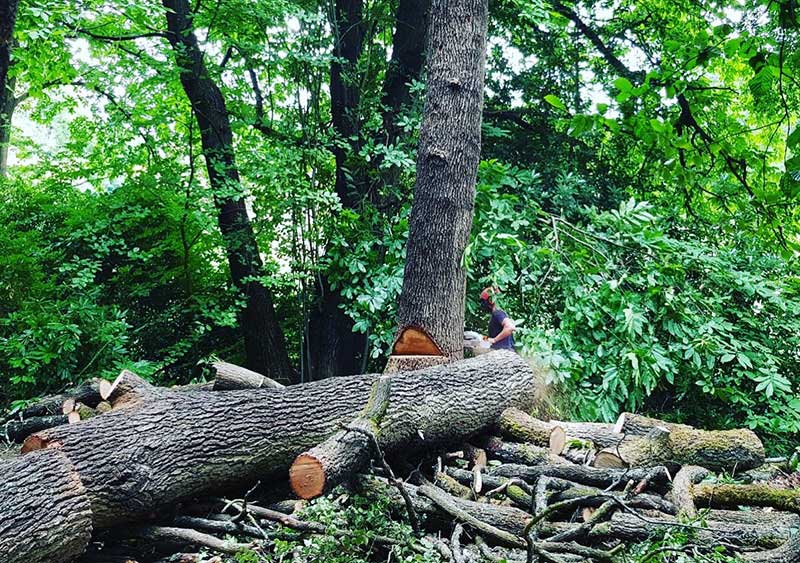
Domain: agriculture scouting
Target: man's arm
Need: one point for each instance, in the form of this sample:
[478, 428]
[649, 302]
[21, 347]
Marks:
[508, 329]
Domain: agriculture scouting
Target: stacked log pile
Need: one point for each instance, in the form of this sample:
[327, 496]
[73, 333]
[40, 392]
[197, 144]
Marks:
[152, 474]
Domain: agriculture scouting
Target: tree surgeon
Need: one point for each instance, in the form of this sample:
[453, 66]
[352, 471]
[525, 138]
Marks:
[501, 327]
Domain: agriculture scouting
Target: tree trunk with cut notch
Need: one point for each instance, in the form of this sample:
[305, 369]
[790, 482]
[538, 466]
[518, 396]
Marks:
[434, 283]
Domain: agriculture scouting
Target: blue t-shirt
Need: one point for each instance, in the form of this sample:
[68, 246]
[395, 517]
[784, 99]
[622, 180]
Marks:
[496, 327]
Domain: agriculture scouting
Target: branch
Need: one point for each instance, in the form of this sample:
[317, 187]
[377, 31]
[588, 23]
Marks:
[114, 38]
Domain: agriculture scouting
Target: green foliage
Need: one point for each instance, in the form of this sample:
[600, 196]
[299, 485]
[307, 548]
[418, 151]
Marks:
[363, 519]
[631, 316]
[642, 221]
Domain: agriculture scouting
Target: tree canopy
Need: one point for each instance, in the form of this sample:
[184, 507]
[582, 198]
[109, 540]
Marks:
[636, 201]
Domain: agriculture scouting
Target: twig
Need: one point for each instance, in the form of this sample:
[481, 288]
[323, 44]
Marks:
[412, 514]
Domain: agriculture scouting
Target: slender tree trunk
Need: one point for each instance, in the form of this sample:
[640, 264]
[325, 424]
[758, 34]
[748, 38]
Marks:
[333, 347]
[405, 66]
[432, 298]
[264, 342]
[8, 17]
[348, 32]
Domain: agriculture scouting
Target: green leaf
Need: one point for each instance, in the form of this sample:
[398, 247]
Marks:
[555, 101]
[623, 85]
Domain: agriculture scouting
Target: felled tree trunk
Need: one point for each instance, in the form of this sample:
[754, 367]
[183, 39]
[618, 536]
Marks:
[44, 509]
[87, 393]
[18, 430]
[717, 450]
[758, 494]
[432, 298]
[156, 451]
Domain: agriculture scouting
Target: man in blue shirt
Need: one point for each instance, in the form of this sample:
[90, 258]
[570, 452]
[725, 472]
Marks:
[501, 327]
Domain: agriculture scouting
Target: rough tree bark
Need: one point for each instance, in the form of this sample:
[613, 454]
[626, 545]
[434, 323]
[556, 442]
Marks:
[432, 298]
[149, 454]
[44, 510]
[264, 342]
[8, 18]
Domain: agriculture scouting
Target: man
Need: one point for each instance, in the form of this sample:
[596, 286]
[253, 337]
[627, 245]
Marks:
[501, 327]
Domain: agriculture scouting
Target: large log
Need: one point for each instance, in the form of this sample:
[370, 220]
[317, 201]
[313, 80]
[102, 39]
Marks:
[18, 430]
[717, 450]
[757, 494]
[154, 452]
[44, 510]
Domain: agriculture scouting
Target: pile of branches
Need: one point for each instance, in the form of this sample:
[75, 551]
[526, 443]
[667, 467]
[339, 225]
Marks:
[178, 474]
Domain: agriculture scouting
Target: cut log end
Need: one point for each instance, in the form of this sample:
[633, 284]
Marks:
[33, 443]
[558, 440]
[68, 406]
[609, 460]
[105, 388]
[307, 477]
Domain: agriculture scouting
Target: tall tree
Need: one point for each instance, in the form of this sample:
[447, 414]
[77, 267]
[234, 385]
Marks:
[333, 347]
[432, 298]
[8, 17]
[264, 341]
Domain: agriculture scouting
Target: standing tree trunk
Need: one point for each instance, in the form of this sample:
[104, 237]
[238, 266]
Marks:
[333, 347]
[405, 66]
[8, 17]
[348, 32]
[264, 342]
[432, 300]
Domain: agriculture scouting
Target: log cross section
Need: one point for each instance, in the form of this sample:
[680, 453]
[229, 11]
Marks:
[318, 470]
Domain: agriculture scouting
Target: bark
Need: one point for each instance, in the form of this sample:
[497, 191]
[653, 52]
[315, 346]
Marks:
[332, 346]
[230, 376]
[8, 18]
[506, 518]
[18, 430]
[717, 450]
[44, 510]
[434, 283]
[318, 470]
[638, 451]
[171, 537]
[348, 30]
[723, 495]
[682, 489]
[412, 363]
[515, 424]
[601, 434]
[593, 476]
[405, 66]
[180, 444]
[526, 454]
[629, 528]
[787, 553]
[263, 338]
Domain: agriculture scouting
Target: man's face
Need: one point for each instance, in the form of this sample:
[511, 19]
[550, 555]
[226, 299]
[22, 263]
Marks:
[486, 306]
